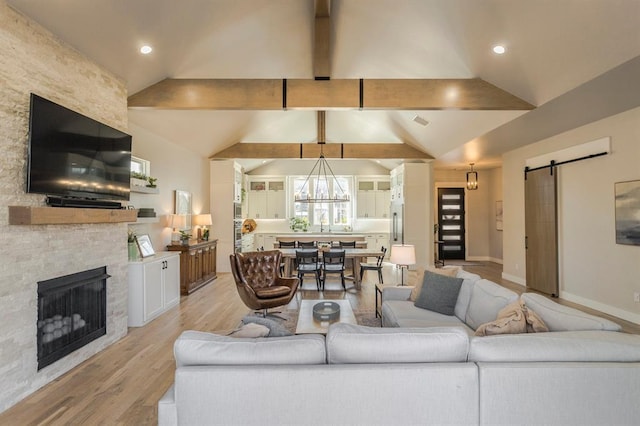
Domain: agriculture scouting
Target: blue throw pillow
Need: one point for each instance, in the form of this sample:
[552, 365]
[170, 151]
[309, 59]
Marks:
[275, 328]
[439, 293]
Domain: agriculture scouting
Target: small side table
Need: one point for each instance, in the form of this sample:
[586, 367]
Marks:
[436, 254]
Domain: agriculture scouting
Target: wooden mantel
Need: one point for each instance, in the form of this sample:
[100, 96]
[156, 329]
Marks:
[23, 215]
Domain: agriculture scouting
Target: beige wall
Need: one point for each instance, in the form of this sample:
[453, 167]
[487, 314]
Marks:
[33, 60]
[594, 270]
[176, 168]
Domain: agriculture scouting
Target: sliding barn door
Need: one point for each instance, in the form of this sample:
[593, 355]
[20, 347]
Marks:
[541, 230]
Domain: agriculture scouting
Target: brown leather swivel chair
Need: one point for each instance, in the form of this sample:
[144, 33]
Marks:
[258, 280]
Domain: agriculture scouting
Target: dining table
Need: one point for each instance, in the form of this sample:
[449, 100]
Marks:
[355, 254]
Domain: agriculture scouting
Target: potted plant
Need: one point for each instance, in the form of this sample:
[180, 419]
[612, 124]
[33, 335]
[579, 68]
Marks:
[184, 237]
[138, 179]
[152, 182]
[299, 224]
[132, 246]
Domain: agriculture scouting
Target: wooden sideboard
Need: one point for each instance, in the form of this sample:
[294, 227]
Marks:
[197, 264]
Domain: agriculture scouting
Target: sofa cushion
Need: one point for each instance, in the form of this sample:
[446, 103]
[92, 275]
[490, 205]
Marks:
[561, 346]
[563, 318]
[487, 299]
[439, 293]
[356, 344]
[200, 348]
[468, 281]
[448, 271]
[396, 313]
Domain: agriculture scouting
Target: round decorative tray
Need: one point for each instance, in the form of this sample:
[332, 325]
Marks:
[326, 311]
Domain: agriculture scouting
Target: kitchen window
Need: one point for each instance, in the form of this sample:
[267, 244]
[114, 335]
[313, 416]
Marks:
[325, 214]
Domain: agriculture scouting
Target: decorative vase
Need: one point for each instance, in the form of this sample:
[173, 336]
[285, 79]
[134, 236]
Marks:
[133, 252]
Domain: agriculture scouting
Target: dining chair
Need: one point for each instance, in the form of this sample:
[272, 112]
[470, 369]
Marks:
[308, 263]
[349, 244]
[333, 263]
[307, 244]
[286, 244]
[374, 266]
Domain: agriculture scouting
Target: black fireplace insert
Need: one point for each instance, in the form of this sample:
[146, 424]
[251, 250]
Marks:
[71, 313]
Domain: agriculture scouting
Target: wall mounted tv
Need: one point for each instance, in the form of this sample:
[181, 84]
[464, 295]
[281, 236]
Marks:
[73, 157]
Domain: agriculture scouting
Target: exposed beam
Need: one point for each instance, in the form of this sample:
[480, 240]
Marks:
[268, 94]
[436, 94]
[322, 40]
[211, 94]
[312, 150]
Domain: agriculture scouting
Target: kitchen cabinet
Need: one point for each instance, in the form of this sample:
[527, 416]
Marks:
[373, 198]
[267, 198]
[377, 240]
[237, 183]
[197, 264]
[154, 287]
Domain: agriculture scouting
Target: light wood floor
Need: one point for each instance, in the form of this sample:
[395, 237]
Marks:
[122, 384]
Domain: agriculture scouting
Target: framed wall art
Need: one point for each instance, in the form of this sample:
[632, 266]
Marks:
[628, 212]
[144, 244]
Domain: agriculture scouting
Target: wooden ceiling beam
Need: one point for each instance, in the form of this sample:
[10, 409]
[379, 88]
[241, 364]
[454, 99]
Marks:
[330, 150]
[322, 40]
[376, 94]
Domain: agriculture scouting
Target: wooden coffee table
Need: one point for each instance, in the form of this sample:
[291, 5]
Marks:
[306, 323]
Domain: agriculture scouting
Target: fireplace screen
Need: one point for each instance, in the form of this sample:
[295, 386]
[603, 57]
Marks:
[71, 313]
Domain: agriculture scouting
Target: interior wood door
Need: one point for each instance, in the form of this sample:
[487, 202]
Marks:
[541, 231]
[451, 220]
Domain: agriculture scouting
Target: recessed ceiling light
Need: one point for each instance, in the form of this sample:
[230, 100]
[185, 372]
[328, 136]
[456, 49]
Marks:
[499, 49]
[146, 49]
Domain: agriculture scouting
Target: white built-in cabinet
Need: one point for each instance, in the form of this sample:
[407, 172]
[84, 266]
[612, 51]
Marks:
[267, 198]
[154, 287]
[237, 183]
[373, 197]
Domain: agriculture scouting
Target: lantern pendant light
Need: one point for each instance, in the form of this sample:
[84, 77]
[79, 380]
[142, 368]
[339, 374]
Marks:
[472, 179]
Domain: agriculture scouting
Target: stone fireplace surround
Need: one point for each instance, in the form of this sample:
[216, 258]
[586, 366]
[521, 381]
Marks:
[34, 60]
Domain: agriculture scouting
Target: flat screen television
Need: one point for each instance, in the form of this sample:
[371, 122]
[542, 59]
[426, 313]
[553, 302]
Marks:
[72, 156]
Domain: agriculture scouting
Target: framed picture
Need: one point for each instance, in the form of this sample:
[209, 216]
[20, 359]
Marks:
[183, 206]
[144, 244]
[628, 212]
[499, 215]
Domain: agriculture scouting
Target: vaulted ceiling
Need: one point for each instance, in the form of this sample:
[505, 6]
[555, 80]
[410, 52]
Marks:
[575, 60]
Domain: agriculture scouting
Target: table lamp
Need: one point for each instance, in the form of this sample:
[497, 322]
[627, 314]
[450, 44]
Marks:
[178, 222]
[403, 256]
[202, 221]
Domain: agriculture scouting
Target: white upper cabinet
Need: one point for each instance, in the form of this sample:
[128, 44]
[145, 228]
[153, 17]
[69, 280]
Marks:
[373, 197]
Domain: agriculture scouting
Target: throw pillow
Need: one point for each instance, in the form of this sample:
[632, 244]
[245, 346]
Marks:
[250, 330]
[275, 329]
[511, 320]
[439, 293]
[417, 288]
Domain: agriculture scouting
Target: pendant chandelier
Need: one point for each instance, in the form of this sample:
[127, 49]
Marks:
[472, 179]
[323, 175]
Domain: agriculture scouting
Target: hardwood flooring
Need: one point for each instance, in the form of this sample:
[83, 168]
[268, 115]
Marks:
[122, 384]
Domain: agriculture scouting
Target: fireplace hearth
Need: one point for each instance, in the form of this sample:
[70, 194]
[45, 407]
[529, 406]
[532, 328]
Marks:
[71, 313]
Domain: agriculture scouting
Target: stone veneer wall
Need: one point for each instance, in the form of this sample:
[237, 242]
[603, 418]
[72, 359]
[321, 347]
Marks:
[33, 60]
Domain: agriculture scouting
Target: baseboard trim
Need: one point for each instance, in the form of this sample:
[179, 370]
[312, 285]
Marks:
[607, 309]
[515, 279]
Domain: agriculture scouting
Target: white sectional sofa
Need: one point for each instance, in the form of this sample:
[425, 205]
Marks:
[434, 372]
[402, 376]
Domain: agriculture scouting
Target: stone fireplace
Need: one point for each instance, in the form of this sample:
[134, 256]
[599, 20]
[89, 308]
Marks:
[72, 311]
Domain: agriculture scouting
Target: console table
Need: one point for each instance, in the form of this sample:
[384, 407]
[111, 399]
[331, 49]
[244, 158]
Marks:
[197, 264]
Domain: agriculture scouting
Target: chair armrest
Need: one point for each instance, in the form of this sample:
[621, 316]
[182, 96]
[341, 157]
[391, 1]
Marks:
[396, 292]
[287, 281]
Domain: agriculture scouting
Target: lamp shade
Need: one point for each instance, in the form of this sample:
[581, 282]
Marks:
[202, 219]
[402, 254]
[178, 221]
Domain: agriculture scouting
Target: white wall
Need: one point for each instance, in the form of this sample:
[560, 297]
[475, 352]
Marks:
[594, 270]
[176, 169]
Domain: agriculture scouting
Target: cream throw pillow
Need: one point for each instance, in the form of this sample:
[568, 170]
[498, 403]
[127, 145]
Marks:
[417, 286]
